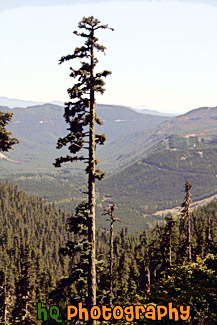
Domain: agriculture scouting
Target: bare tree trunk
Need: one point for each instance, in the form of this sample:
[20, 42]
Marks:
[170, 249]
[189, 235]
[147, 281]
[91, 194]
[209, 237]
[186, 217]
[111, 261]
[5, 302]
[112, 219]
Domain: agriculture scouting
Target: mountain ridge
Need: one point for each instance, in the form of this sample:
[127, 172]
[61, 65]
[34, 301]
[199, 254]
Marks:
[199, 122]
[16, 103]
[38, 128]
[146, 169]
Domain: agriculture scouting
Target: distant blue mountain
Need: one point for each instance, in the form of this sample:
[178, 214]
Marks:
[12, 103]
[145, 110]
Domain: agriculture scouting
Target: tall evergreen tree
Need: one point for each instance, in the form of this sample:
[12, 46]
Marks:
[78, 248]
[6, 141]
[81, 116]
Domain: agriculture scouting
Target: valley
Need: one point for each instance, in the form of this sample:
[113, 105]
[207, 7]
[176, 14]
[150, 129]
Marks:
[147, 159]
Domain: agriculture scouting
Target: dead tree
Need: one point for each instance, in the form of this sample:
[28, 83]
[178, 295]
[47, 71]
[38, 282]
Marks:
[186, 216]
[112, 219]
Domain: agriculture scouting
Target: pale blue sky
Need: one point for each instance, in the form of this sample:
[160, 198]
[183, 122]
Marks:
[162, 54]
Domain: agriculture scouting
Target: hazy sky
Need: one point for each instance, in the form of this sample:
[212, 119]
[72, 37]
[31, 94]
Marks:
[162, 53]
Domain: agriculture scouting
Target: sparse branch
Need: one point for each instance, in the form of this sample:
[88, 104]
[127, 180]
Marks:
[104, 27]
[61, 160]
[100, 139]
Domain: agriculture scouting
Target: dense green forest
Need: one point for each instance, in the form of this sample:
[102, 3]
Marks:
[40, 261]
[155, 182]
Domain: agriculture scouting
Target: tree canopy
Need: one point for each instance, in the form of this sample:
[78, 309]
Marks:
[6, 141]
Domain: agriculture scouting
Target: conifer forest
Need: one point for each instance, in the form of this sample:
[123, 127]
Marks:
[59, 266]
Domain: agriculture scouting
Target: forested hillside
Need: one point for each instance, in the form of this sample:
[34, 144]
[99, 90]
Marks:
[149, 267]
[193, 129]
[156, 163]
[27, 224]
[138, 165]
[155, 182]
